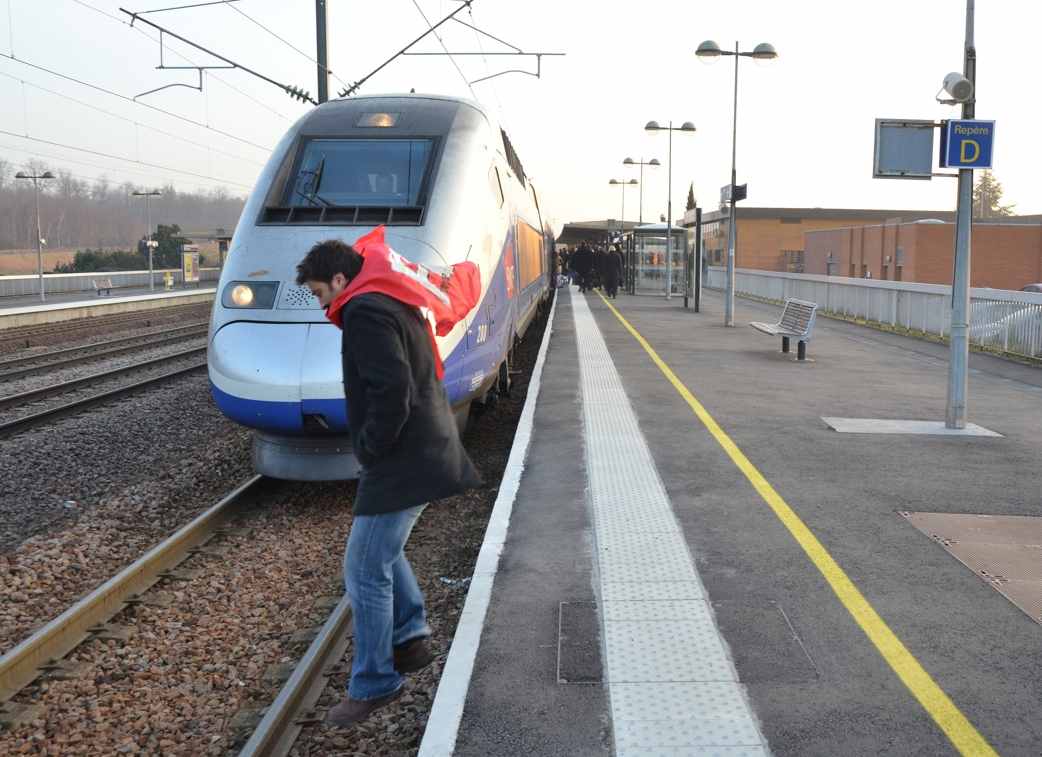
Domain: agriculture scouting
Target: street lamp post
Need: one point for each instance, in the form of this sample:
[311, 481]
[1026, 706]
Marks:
[632, 254]
[148, 235]
[641, 163]
[688, 127]
[709, 51]
[622, 216]
[39, 234]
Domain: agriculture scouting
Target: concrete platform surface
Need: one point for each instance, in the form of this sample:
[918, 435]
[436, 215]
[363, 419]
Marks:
[848, 631]
[65, 298]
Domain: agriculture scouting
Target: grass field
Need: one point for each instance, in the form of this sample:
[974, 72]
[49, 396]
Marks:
[24, 261]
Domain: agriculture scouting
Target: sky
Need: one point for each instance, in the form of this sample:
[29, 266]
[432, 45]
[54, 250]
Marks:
[805, 120]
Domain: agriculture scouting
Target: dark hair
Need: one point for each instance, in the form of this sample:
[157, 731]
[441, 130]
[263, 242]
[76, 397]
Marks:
[326, 259]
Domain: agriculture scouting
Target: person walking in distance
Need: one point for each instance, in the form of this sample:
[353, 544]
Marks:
[612, 272]
[404, 436]
[582, 264]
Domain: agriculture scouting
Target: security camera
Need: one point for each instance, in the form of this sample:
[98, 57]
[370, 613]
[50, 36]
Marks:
[958, 87]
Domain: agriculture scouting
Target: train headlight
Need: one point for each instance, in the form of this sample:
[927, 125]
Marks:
[256, 295]
[242, 296]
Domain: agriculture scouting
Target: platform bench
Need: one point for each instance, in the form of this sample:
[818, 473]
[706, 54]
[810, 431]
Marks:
[102, 285]
[796, 322]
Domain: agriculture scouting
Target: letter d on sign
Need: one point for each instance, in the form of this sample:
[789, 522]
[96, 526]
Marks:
[969, 150]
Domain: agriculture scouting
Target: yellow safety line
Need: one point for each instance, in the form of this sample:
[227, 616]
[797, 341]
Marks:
[948, 717]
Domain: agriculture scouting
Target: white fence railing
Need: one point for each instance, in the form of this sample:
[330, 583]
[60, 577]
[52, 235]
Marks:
[22, 284]
[1000, 319]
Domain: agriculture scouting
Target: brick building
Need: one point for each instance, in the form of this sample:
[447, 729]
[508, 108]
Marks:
[1007, 252]
[864, 241]
[771, 239]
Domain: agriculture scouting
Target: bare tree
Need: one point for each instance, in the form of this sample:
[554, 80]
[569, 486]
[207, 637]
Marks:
[100, 214]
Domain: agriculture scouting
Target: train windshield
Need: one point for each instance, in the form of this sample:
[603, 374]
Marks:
[353, 172]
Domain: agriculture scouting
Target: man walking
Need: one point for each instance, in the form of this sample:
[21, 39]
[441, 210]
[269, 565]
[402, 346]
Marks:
[405, 437]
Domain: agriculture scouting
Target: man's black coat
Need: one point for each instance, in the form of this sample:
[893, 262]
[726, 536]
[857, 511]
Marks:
[403, 431]
[582, 261]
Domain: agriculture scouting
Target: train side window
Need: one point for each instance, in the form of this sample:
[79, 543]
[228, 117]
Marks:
[497, 185]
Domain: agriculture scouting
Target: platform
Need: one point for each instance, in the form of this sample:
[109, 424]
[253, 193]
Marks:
[71, 305]
[60, 298]
[690, 561]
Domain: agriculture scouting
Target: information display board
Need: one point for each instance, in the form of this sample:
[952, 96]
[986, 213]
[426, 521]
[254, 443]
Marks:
[190, 267]
[903, 149]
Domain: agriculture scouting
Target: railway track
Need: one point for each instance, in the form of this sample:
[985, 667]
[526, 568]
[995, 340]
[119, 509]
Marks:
[33, 419]
[22, 337]
[42, 653]
[55, 359]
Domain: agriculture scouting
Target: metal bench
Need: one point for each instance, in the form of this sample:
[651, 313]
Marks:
[102, 285]
[796, 322]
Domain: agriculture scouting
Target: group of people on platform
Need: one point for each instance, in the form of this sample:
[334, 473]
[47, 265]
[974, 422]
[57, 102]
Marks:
[591, 267]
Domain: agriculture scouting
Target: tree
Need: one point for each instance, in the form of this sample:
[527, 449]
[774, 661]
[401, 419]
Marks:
[691, 204]
[168, 250]
[987, 197]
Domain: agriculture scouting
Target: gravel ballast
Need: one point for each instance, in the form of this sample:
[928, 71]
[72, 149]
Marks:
[55, 475]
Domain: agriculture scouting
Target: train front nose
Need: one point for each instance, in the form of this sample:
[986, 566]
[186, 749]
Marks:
[285, 381]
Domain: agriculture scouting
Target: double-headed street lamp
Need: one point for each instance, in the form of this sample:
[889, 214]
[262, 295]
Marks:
[149, 242]
[39, 235]
[688, 127]
[709, 52]
[641, 163]
[622, 183]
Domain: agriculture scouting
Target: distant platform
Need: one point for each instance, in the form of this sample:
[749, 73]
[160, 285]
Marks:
[29, 311]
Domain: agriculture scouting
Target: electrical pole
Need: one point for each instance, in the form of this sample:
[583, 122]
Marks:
[39, 234]
[958, 364]
[39, 241]
[149, 243]
[322, 51]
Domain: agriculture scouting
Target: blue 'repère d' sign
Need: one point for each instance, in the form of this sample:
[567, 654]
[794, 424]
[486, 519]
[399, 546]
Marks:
[967, 144]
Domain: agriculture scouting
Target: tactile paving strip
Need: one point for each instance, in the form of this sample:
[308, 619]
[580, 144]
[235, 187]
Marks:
[671, 682]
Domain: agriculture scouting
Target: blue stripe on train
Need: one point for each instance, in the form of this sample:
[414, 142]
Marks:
[463, 367]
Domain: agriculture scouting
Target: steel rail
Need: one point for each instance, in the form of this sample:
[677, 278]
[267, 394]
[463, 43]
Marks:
[49, 391]
[34, 419]
[22, 664]
[292, 708]
[125, 347]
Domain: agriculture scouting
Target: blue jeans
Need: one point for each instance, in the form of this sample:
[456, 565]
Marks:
[386, 601]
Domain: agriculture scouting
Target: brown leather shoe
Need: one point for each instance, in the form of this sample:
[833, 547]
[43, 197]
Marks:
[351, 711]
[413, 655]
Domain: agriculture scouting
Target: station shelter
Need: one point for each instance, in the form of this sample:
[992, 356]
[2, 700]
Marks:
[646, 256]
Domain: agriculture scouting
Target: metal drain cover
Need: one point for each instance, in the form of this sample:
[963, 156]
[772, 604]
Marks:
[1003, 550]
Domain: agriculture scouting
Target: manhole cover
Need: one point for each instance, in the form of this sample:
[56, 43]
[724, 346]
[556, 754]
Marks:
[1004, 550]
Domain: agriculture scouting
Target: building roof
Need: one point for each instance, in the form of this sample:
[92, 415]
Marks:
[861, 214]
[577, 231]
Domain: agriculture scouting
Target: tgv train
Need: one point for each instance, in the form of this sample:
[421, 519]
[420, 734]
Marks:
[443, 178]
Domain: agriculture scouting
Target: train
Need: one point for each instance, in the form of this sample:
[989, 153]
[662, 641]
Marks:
[441, 175]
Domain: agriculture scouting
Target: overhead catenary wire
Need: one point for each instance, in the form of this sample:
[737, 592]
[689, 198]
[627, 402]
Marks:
[10, 28]
[99, 88]
[183, 57]
[102, 177]
[484, 58]
[285, 42]
[445, 48]
[120, 157]
[130, 120]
